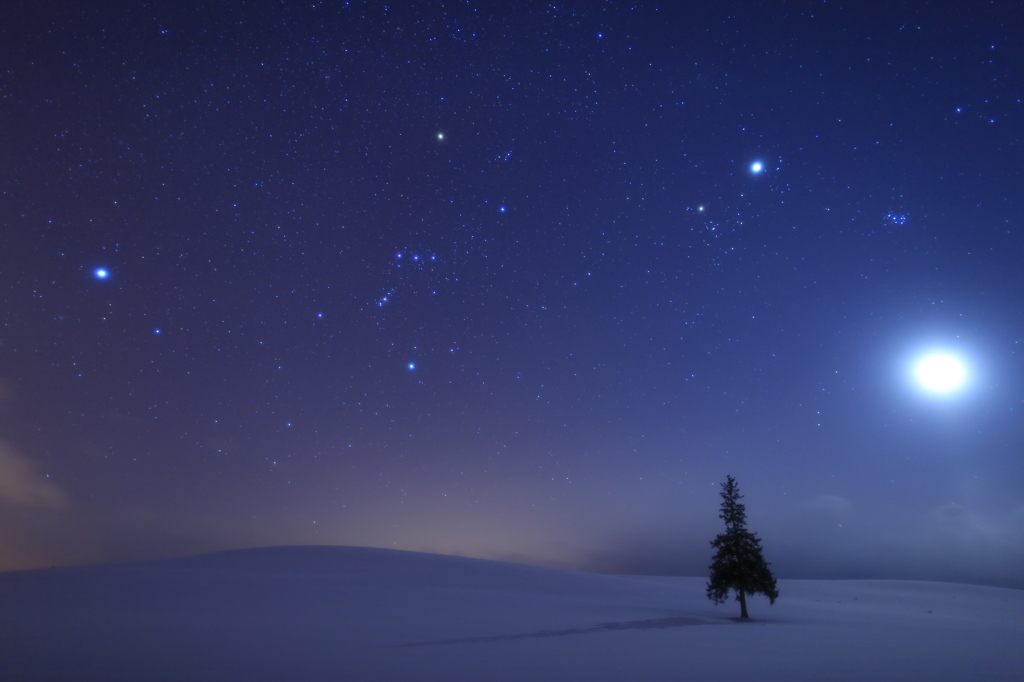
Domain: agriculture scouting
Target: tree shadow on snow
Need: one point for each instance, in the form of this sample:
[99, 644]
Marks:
[654, 624]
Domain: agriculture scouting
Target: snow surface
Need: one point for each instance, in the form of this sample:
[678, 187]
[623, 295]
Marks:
[361, 614]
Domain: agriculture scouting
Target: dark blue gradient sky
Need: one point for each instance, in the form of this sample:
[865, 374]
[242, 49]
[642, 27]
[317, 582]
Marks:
[499, 279]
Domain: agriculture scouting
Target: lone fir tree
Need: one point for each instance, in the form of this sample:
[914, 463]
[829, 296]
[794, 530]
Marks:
[738, 563]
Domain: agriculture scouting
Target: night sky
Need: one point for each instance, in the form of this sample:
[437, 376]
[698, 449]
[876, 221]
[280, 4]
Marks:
[519, 280]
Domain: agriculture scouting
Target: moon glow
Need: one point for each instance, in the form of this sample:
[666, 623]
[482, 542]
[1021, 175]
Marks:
[940, 373]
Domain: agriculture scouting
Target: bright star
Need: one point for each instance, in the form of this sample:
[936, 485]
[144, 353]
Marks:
[412, 365]
[756, 167]
[101, 273]
[440, 136]
[940, 372]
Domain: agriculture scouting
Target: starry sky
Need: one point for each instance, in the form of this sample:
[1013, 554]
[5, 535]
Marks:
[520, 281]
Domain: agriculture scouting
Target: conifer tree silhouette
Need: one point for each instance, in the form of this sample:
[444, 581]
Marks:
[738, 563]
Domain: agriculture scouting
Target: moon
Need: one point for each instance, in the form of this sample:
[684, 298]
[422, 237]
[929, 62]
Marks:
[940, 372]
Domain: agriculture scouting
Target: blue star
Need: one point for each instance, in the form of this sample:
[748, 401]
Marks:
[101, 273]
[756, 167]
[411, 366]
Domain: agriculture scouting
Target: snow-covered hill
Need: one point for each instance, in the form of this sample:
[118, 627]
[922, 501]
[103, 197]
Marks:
[347, 613]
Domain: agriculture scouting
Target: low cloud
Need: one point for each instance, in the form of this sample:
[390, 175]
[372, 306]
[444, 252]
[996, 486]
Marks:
[830, 504]
[21, 483]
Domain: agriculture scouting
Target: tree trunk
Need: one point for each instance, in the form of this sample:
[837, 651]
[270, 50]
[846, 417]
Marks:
[743, 605]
